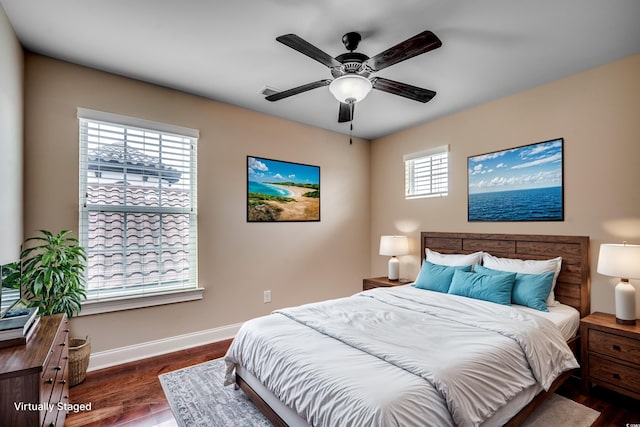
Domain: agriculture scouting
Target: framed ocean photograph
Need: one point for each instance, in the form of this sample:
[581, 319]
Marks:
[279, 191]
[520, 184]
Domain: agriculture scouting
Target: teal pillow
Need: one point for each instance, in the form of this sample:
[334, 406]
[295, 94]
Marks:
[489, 287]
[530, 290]
[435, 277]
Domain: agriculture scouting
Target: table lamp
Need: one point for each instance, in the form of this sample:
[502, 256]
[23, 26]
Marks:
[394, 246]
[622, 261]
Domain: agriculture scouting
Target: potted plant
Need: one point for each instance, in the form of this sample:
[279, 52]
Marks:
[53, 273]
[53, 280]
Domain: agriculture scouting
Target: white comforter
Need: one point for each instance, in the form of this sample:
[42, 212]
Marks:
[399, 356]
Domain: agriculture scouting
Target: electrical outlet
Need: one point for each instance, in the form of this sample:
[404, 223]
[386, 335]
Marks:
[267, 296]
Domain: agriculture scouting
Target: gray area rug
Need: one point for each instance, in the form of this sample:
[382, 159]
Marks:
[198, 399]
[560, 411]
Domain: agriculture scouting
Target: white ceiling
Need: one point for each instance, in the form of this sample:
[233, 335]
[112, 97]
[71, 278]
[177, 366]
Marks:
[226, 50]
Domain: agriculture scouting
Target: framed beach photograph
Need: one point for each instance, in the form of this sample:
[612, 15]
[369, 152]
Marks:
[279, 191]
[520, 184]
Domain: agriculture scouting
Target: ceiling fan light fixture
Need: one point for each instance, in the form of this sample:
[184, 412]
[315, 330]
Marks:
[350, 88]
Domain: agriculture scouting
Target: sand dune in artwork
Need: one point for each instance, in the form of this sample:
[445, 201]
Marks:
[303, 209]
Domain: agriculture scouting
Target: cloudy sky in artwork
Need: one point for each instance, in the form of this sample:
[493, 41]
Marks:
[532, 166]
[266, 170]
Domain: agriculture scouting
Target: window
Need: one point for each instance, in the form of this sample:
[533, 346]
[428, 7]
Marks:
[137, 206]
[427, 173]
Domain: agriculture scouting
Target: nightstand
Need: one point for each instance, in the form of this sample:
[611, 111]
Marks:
[382, 282]
[610, 354]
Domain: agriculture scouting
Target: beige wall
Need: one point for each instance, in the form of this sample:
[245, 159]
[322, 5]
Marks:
[598, 114]
[298, 262]
[11, 71]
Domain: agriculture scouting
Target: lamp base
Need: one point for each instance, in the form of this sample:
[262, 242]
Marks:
[625, 303]
[625, 322]
[394, 269]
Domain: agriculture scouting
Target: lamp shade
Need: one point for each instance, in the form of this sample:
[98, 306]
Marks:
[350, 88]
[619, 260]
[394, 245]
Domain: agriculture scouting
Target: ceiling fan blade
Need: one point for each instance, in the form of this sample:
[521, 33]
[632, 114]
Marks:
[306, 48]
[345, 113]
[403, 89]
[296, 90]
[416, 45]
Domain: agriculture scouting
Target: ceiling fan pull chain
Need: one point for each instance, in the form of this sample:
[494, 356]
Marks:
[350, 132]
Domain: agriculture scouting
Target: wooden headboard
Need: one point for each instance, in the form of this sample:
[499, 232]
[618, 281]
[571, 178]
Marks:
[573, 286]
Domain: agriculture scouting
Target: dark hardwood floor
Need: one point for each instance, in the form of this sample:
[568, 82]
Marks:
[131, 395]
[615, 409]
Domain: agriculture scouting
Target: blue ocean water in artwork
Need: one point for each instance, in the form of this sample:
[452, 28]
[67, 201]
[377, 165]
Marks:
[269, 190]
[538, 204]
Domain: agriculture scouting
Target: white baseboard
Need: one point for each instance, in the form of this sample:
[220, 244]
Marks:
[118, 356]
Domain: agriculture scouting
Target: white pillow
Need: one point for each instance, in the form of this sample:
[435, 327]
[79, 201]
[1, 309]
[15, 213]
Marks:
[529, 266]
[453, 260]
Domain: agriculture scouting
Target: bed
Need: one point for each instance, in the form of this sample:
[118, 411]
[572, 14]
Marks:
[301, 366]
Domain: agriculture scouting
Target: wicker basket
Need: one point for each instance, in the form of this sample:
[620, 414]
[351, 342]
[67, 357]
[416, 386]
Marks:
[79, 351]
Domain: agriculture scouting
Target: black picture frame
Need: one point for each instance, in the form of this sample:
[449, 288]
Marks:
[282, 191]
[524, 183]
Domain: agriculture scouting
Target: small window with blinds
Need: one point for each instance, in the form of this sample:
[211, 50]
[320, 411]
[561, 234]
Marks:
[137, 206]
[427, 173]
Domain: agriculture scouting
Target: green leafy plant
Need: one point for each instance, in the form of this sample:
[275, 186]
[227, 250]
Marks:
[53, 273]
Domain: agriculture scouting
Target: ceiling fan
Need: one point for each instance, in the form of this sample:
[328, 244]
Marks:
[352, 70]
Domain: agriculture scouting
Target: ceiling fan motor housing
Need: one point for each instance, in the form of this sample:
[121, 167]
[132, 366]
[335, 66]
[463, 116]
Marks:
[351, 63]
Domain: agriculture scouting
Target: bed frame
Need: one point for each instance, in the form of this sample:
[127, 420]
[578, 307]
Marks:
[573, 286]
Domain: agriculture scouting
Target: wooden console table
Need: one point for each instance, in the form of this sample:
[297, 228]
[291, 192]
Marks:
[34, 385]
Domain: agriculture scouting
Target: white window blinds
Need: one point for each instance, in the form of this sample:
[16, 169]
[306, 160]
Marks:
[427, 173]
[137, 205]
